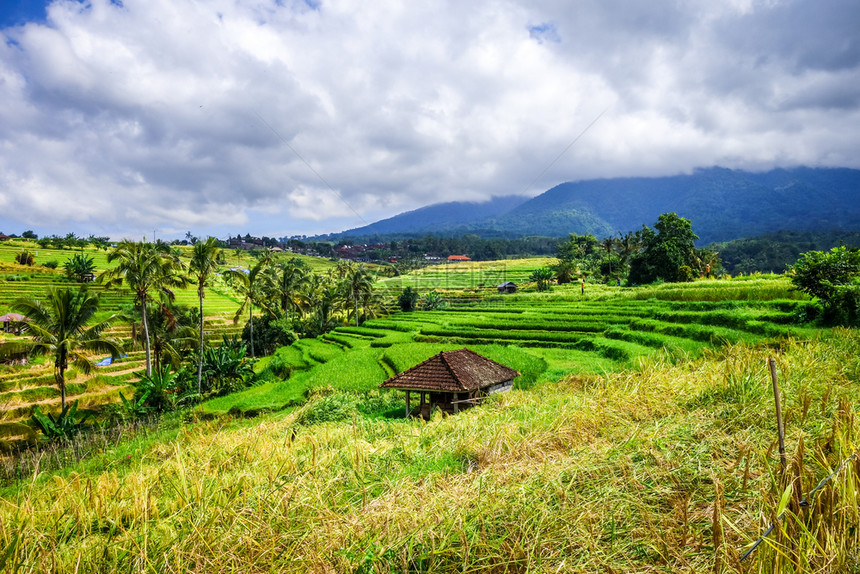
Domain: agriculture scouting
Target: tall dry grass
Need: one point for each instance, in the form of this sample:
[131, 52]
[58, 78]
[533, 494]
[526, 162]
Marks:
[666, 467]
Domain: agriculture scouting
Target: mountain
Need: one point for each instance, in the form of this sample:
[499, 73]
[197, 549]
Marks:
[441, 217]
[723, 204]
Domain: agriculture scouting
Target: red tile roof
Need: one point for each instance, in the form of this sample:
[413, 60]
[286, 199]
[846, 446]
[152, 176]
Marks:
[458, 258]
[452, 371]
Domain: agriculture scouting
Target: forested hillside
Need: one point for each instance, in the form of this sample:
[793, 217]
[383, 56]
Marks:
[725, 204]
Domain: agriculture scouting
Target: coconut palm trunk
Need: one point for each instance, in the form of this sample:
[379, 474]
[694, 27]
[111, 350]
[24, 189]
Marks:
[356, 309]
[146, 344]
[251, 326]
[200, 356]
[60, 365]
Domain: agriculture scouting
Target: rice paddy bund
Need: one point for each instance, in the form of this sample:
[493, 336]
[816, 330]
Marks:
[640, 437]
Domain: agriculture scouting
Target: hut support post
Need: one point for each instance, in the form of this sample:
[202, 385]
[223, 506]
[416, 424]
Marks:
[455, 402]
[408, 406]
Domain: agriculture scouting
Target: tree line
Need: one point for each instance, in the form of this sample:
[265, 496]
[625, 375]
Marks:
[665, 253]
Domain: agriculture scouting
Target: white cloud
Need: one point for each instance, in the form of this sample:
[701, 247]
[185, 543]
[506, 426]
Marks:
[178, 114]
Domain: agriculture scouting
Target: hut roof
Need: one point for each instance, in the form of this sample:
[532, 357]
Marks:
[13, 317]
[452, 371]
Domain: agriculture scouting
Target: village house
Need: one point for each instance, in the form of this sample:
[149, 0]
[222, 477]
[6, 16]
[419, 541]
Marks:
[452, 381]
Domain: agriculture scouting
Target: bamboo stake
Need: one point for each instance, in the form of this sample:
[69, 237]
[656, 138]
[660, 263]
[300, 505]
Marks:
[780, 429]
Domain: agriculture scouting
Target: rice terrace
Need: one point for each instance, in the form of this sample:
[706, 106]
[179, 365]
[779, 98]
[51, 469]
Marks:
[640, 435]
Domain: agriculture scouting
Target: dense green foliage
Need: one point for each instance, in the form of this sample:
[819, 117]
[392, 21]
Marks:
[407, 299]
[834, 278]
[270, 332]
[542, 276]
[226, 369]
[775, 252]
[668, 254]
[79, 267]
[64, 425]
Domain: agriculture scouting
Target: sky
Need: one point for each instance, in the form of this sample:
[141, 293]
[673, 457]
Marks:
[142, 118]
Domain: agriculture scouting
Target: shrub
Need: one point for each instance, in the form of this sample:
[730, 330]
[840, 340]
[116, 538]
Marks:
[834, 278]
[407, 299]
[433, 301]
[79, 266]
[52, 264]
[63, 426]
[225, 368]
[542, 276]
[25, 258]
[270, 333]
[158, 391]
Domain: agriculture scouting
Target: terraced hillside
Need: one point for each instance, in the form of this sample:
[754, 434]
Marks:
[467, 274]
[544, 336]
[22, 388]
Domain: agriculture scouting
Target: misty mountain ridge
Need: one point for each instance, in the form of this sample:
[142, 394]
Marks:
[722, 203]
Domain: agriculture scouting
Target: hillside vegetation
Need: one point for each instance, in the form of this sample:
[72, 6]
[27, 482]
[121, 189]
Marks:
[725, 204]
[22, 388]
[640, 437]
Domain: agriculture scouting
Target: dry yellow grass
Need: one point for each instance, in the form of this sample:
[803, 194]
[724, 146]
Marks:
[618, 473]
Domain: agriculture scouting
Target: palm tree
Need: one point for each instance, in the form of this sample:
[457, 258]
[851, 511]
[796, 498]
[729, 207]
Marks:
[323, 293]
[357, 284]
[59, 328]
[628, 244]
[79, 267]
[293, 276]
[608, 244]
[253, 285]
[204, 264]
[171, 333]
[144, 267]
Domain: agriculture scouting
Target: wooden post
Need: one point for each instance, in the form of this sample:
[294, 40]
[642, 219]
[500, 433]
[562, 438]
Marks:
[407, 405]
[772, 364]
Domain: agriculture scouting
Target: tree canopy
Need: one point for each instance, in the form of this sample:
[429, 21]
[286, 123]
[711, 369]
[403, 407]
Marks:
[669, 254]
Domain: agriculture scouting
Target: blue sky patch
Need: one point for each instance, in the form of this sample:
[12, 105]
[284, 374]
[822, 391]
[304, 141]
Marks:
[18, 12]
[545, 32]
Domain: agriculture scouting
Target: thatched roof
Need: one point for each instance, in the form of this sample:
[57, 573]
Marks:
[452, 371]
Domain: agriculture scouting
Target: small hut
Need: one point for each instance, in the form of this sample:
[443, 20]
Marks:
[13, 322]
[452, 381]
[507, 287]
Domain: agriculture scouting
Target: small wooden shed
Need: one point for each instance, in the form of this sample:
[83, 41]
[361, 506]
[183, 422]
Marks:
[13, 322]
[452, 381]
[507, 287]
